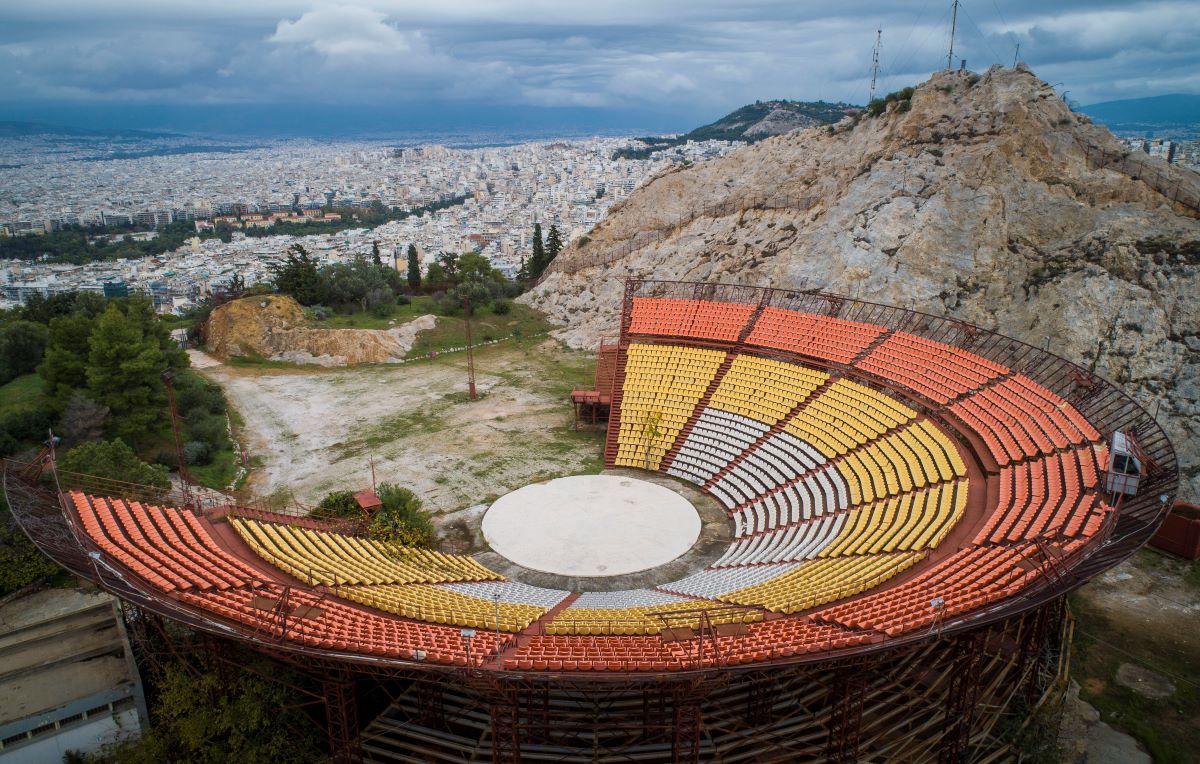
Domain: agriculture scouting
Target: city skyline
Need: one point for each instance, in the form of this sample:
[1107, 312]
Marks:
[324, 68]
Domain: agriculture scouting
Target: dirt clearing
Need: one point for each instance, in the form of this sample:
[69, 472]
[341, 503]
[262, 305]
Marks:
[311, 430]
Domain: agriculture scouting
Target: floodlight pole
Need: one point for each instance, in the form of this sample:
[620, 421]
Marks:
[470, 350]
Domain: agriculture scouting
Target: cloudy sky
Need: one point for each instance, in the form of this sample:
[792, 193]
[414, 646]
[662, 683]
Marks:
[673, 63]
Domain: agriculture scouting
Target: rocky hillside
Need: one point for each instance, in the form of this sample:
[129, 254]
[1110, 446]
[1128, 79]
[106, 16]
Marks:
[979, 197]
[273, 327]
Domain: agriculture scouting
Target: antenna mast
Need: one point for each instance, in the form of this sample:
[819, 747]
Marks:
[953, 26]
[875, 62]
[1016, 55]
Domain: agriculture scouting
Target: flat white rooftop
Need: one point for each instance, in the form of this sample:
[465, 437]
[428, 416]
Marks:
[591, 525]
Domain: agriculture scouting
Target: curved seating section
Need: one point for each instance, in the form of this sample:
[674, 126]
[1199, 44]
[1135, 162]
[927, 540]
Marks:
[336, 626]
[689, 318]
[763, 641]
[830, 339]
[847, 415]
[433, 604]
[937, 371]
[1050, 496]
[820, 581]
[647, 619]
[913, 522]
[763, 389]
[1019, 419]
[663, 383]
[969, 579]
[627, 598]
[336, 559]
[168, 548]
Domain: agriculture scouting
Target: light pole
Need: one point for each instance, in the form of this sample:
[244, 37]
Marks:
[496, 599]
[467, 635]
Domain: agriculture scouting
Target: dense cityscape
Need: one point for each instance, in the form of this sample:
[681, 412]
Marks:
[52, 184]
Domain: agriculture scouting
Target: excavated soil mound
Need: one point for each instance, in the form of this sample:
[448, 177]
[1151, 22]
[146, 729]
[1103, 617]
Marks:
[272, 327]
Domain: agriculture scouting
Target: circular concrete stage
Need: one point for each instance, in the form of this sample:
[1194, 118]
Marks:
[591, 525]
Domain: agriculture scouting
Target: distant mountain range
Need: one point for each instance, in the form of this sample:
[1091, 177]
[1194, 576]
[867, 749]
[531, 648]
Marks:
[1155, 114]
[16, 129]
[751, 123]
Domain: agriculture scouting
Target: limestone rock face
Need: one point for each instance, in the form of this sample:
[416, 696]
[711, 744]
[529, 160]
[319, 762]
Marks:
[272, 327]
[981, 198]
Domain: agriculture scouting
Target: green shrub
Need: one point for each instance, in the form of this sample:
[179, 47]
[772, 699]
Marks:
[115, 460]
[197, 452]
[501, 307]
[401, 519]
[337, 504]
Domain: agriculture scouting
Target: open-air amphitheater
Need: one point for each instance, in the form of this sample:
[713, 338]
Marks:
[910, 498]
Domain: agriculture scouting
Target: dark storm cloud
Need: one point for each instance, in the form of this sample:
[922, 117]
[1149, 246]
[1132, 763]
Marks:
[673, 55]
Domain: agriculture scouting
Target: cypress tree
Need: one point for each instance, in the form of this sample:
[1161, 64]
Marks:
[553, 244]
[375, 253]
[414, 269]
[538, 261]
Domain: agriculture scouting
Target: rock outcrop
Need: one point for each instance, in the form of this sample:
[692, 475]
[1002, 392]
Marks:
[980, 197]
[272, 327]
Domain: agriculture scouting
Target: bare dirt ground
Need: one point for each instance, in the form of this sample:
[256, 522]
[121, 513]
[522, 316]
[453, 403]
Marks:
[311, 431]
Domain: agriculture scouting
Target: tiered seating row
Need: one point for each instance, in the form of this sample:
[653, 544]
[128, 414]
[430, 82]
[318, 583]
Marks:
[909, 458]
[938, 371]
[716, 439]
[433, 604]
[1049, 497]
[336, 559]
[824, 580]
[342, 627]
[689, 318]
[1019, 419]
[712, 583]
[907, 523]
[509, 591]
[663, 384]
[830, 339]
[778, 460]
[765, 641]
[763, 389]
[646, 619]
[798, 542]
[971, 578]
[169, 548]
[845, 416]
[627, 598]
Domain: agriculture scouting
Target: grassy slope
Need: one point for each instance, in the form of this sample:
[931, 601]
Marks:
[1169, 728]
[24, 392]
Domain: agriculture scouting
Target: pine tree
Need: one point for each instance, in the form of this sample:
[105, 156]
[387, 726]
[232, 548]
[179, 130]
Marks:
[298, 276]
[123, 372]
[523, 271]
[414, 269]
[553, 244]
[538, 261]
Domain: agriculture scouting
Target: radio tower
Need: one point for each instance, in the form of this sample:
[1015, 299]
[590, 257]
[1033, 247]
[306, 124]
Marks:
[953, 25]
[875, 62]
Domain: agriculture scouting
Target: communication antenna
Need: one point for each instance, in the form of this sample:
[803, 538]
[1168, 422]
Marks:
[953, 26]
[1016, 55]
[875, 62]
